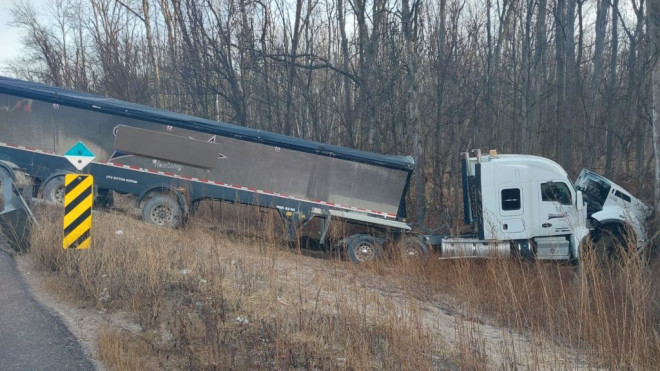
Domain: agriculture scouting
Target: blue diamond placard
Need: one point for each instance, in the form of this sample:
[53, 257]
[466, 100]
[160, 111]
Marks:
[79, 156]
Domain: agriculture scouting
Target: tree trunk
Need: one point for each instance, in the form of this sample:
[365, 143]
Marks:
[537, 76]
[653, 25]
[560, 58]
[441, 72]
[592, 131]
[408, 15]
[346, 83]
[610, 117]
[633, 86]
[291, 70]
[152, 52]
[526, 98]
[572, 86]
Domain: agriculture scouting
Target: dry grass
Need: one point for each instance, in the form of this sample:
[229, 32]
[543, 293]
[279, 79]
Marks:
[121, 352]
[607, 313]
[228, 295]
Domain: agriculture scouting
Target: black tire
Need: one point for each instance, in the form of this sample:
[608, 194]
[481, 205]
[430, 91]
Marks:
[162, 211]
[363, 249]
[610, 242]
[53, 190]
[413, 249]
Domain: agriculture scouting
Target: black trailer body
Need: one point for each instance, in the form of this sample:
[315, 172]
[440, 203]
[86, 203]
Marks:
[144, 151]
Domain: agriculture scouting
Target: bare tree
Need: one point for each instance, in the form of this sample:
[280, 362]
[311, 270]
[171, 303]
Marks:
[653, 24]
[42, 40]
[409, 22]
[537, 74]
[348, 138]
[369, 45]
[560, 59]
[589, 152]
[572, 86]
[610, 116]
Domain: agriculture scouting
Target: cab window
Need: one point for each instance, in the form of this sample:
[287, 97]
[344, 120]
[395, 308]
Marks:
[511, 199]
[557, 192]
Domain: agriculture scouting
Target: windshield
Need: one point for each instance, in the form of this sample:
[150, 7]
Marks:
[595, 189]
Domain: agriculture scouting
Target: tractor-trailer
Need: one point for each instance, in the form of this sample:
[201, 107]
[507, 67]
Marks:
[516, 204]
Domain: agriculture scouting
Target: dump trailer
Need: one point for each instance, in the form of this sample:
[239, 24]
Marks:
[172, 161]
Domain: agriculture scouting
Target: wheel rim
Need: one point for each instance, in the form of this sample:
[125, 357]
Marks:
[161, 214]
[365, 252]
[412, 249]
[411, 252]
[58, 194]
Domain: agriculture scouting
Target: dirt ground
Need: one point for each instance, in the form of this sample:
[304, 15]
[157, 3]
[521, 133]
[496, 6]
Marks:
[501, 348]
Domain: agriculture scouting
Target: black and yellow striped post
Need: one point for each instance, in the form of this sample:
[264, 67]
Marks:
[78, 198]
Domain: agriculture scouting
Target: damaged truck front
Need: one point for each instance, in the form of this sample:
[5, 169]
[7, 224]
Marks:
[614, 216]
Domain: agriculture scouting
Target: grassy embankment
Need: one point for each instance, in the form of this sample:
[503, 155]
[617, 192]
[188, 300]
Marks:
[208, 298]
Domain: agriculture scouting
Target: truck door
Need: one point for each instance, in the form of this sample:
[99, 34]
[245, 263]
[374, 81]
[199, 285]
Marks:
[556, 209]
[511, 209]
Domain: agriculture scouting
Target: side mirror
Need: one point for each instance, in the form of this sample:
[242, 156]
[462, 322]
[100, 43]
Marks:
[579, 201]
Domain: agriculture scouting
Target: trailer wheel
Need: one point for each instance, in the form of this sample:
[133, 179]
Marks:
[412, 248]
[54, 190]
[162, 211]
[363, 249]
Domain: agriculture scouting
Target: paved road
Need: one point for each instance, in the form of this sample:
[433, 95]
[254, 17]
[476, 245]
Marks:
[31, 337]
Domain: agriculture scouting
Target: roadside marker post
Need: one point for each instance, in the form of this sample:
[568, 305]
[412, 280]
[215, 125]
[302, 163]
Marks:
[78, 200]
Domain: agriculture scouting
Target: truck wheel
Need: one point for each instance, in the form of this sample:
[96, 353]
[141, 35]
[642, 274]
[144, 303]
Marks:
[412, 248]
[162, 211]
[364, 248]
[53, 190]
[609, 242]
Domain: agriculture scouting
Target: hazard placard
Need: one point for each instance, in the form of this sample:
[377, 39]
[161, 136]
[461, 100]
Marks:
[78, 199]
[79, 156]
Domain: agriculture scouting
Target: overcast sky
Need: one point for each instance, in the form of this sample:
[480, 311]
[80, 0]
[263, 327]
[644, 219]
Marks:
[9, 46]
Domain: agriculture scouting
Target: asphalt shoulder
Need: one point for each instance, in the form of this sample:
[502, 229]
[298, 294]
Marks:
[31, 336]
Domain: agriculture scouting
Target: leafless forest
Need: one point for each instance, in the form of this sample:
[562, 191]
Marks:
[566, 79]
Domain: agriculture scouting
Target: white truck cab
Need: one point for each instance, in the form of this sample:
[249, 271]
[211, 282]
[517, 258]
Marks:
[519, 205]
